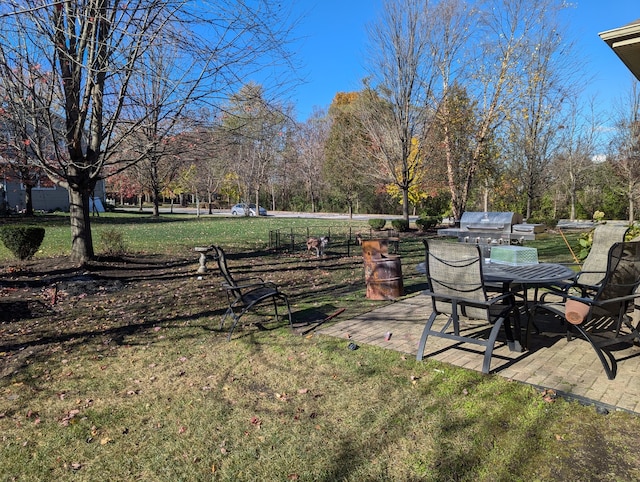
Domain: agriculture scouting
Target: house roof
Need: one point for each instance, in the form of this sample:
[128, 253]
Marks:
[625, 42]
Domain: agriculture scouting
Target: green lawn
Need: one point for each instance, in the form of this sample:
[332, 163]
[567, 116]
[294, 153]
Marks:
[140, 384]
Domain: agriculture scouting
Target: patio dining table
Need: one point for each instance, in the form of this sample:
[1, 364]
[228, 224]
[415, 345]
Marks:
[530, 275]
[527, 276]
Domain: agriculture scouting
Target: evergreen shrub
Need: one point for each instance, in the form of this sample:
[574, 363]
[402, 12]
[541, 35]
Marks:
[22, 241]
[377, 223]
[400, 225]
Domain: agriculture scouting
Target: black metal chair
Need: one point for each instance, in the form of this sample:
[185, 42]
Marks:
[454, 275]
[246, 293]
[601, 317]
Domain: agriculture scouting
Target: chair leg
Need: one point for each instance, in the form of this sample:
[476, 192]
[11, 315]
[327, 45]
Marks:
[514, 340]
[490, 344]
[608, 362]
[224, 317]
[425, 335]
[236, 319]
[286, 300]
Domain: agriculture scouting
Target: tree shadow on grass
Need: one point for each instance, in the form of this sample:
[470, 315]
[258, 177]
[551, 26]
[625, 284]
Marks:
[20, 354]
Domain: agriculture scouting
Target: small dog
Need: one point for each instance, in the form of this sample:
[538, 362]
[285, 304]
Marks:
[318, 244]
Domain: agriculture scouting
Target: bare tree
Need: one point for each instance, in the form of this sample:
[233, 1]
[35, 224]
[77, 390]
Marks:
[578, 136]
[400, 84]
[626, 147]
[311, 139]
[452, 30]
[17, 126]
[548, 82]
[483, 50]
[257, 129]
[153, 117]
[91, 50]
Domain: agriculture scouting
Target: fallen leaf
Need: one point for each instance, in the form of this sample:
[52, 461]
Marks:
[105, 440]
[256, 421]
[69, 417]
[302, 391]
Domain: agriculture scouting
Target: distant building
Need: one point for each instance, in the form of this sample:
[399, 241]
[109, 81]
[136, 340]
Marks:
[46, 195]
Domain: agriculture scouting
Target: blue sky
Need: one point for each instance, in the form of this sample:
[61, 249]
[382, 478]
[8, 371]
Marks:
[334, 44]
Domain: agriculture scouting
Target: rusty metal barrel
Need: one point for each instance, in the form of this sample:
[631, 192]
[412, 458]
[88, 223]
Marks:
[382, 272]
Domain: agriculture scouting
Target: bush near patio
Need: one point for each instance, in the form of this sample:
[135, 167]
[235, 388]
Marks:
[22, 241]
[427, 222]
[134, 380]
[377, 223]
[400, 225]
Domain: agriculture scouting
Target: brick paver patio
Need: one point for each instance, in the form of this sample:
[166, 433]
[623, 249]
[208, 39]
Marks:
[571, 368]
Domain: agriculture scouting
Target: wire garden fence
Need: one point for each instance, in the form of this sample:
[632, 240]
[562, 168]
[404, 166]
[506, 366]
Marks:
[344, 241]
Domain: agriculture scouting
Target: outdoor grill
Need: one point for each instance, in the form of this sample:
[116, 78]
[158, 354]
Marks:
[492, 228]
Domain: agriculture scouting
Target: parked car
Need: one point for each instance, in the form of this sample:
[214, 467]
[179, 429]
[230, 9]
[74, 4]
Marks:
[241, 209]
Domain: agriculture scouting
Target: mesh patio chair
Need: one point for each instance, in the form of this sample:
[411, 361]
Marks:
[454, 275]
[594, 267]
[602, 318]
[246, 293]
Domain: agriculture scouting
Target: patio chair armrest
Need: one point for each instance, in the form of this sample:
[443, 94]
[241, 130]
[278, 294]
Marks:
[502, 297]
[250, 280]
[245, 286]
[561, 291]
[470, 302]
[619, 299]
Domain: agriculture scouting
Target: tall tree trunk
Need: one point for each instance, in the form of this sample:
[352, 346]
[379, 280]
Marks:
[632, 213]
[28, 200]
[155, 183]
[405, 203]
[486, 197]
[81, 238]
